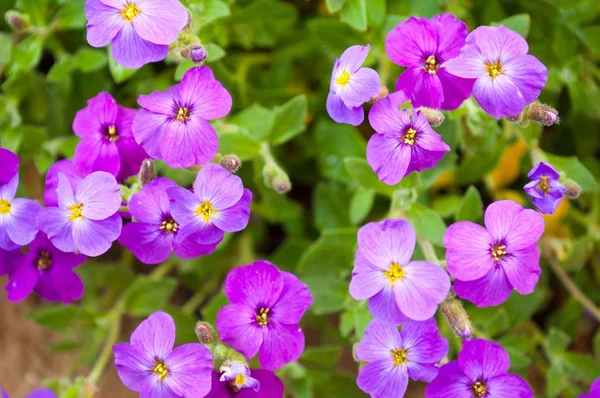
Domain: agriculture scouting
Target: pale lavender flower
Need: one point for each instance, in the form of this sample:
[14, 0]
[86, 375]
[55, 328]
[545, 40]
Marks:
[17, 217]
[67, 168]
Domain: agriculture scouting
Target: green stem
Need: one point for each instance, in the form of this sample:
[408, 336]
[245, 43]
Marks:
[114, 330]
[428, 251]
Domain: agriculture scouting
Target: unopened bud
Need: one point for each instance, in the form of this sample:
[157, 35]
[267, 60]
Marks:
[514, 119]
[231, 163]
[457, 317]
[573, 189]
[206, 333]
[383, 92]
[195, 53]
[147, 172]
[542, 113]
[17, 21]
[434, 117]
[276, 178]
[282, 183]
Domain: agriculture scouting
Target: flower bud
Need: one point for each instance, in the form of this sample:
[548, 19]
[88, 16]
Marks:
[542, 113]
[573, 189]
[434, 117]
[206, 333]
[276, 178]
[231, 163]
[282, 183]
[147, 172]
[383, 92]
[17, 21]
[195, 53]
[457, 317]
[514, 119]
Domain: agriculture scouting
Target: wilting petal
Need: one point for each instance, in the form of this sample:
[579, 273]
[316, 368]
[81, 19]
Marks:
[131, 51]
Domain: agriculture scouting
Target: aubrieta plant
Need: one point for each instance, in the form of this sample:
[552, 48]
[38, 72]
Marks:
[430, 243]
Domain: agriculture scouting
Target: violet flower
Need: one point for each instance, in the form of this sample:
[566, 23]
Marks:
[107, 141]
[39, 393]
[219, 204]
[404, 143]
[155, 234]
[266, 307]
[173, 125]
[67, 168]
[269, 385]
[397, 288]
[139, 31]
[47, 271]
[9, 165]
[351, 86]
[394, 356]
[149, 364]
[489, 262]
[424, 46]
[545, 190]
[9, 259]
[594, 390]
[480, 371]
[86, 218]
[508, 79]
[17, 217]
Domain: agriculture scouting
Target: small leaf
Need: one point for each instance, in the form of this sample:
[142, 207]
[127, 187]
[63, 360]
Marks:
[27, 54]
[55, 317]
[334, 5]
[361, 204]
[88, 60]
[557, 342]
[242, 144]
[332, 253]
[354, 13]
[147, 295]
[71, 15]
[519, 23]
[289, 120]
[427, 222]
[322, 356]
[119, 73]
[471, 208]
[256, 119]
[360, 170]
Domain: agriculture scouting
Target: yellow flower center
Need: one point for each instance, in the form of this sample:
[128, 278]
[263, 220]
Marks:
[5, 206]
[395, 273]
[262, 317]
[343, 79]
[160, 369]
[183, 114]
[410, 136]
[111, 134]
[494, 69]
[130, 11]
[399, 356]
[498, 251]
[431, 65]
[479, 389]
[76, 212]
[169, 225]
[44, 261]
[544, 186]
[205, 210]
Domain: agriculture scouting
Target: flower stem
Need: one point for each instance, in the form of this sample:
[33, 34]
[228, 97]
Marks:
[428, 251]
[114, 330]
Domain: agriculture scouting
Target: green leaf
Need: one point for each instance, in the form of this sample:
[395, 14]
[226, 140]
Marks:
[215, 52]
[427, 222]
[322, 356]
[362, 317]
[334, 5]
[147, 295]
[361, 204]
[27, 54]
[89, 60]
[256, 119]
[329, 293]
[519, 23]
[56, 318]
[71, 15]
[590, 35]
[5, 48]
[580, 366]
[245, 146]
[354, 13]
[360, 170]
[205, 12]
[575, 170]
[334, 143]
[518, 360]
[376, 12]
[330, 206]
[471, 208]
[332, 253]
[119, 73]
[557, 342]
[289, 120]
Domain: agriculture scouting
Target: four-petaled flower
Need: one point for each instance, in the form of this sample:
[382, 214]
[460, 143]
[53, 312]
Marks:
[17, 217]
[545, 190]
[241, 382]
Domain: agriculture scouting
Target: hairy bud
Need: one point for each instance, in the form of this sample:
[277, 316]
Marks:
[434, 117]
[383, 92]
[542, 113]
[17, 21]
[276, 178]
[206, 333]
[573, 189]
[231, 163]
[457, 317]
[147, 172]
[195, 53]
[514, 119]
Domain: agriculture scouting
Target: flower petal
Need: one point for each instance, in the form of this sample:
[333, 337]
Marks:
[281, 345]
[386, 242]
[381, 379]
[133, 366]
[543, 169]
[147, 242]
[183, 205]
[423, 342]
[189, 143]
[67, 168]
[205, 96]
[340, 113]
[426, 88]
[236, 217]
[131, 51]
[190, 368]
[9, 165]
[498, 96]
[379, 341]
[522, 269]
[367, 279]
[93, 237]
[528, 74]
[498, 43]
[104, 22]
[162, 102]
[21, 225]
[236, 324]
[482, 359]
[468, 250]
[21, 282]
[492, 289]
[66, 282]
[410, 42]
[385, 116]
[100, 196]
[155, 336]
[157, 26]
[353, 58]
[455, 89]
[451, 35]
[97, 155]
[295, 299]
[422, 371]
[384, 308]
[218, 186]
[257, 285]
[55, 223]
[190, 248]
[9, 190]
[363, 85]
[388, 158]
[450, 382]
[508, 221]
[152, 202]
[508, 386]
[148, 128]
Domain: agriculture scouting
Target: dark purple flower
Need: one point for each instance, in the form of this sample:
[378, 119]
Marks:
[405, 142]
[219, 204]
[9, 260]
[351, 86]
[489, 262]
[266, 308]
[480, 371]
[397, 288]
[149, 364]
[65, 167]
[39, 393]
[139, 31]
[594, 390]
[17, 217]
[155, 234]
[394, 356]
[86, 219]
[270, 385]
[47, 271]
[9, 165]
[173, 125]
[508, 79]
[107, 141]
[545, 190]
[424, 46]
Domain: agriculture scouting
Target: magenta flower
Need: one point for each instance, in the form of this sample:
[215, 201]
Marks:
[351, 86]
[9, 260]
[149, 364]
[9, 165]
[107, 141]
[173, 124]
[403, 143]
[545, 190]
[139, 31]
[489, 262]
[17, 217]
[424, 46]
[86, 218]
[67, 168]
[266, 308]
[241, 385]
[594, 390]
[47, 271]
[219, 204]
[39, 393]
[397, 288]
[394, 356]
[480, 371]
[508, 79]
[155, 234]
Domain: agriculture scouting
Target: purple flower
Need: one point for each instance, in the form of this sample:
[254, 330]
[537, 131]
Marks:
[150, 365]
[508, 79]
[9, 259]
[403, 143]
[266, 307]
[65, 167]
[17, 217]
[47, 271]
[9, 165]
[480, 371]
[594, 390]
[107, 141]
[269, 385]
[86, 218]
[139, 31]
[397, 288]
[351, 86]
[39, 393]
[424, 46]
[394, 356]
[155, 234]
[489, 262]
[173, 124]
[545, 190]
[219, 204]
